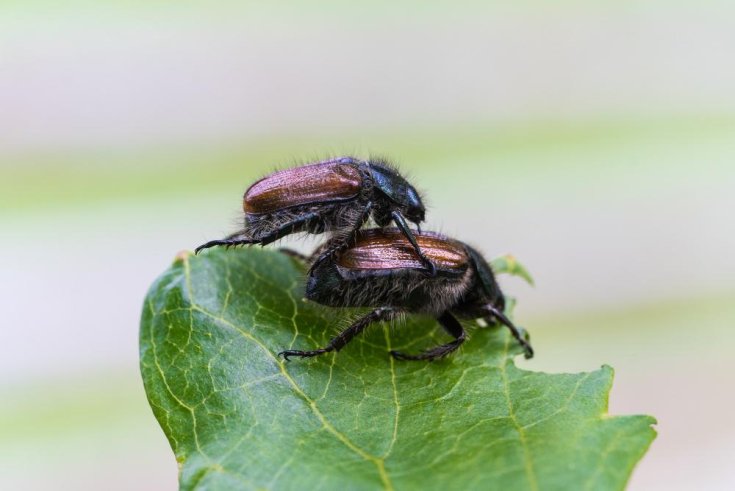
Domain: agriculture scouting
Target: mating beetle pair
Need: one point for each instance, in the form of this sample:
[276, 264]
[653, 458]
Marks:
[392, 270]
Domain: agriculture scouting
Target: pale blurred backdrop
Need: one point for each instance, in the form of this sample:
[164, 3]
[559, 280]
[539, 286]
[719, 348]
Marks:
[594, 140]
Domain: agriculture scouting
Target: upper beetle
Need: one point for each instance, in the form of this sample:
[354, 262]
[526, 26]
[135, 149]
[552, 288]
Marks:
[339, 195]
[380, 269]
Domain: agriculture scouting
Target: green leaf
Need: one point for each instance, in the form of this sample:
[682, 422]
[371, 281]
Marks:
[509, 264]
[238, 417]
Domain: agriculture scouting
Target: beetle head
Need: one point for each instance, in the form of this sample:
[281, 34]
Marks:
[402, 195]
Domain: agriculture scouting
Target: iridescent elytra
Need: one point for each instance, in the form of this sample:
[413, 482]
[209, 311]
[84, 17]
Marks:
[337, 195]
[315, 183]
[377, 249]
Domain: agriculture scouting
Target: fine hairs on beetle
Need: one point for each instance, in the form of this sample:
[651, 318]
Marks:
[337, 195]
[381, 269]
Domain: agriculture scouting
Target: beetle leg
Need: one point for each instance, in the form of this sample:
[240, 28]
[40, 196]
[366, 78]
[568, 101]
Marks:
[294, 254]
[228, 242]
[340, 340]
[283, 230]
[288, 228]
[453, 327]
[401, 223]
[497, 314]
[326, 253]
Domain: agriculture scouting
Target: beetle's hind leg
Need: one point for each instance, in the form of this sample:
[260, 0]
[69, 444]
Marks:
[297, 225]
[340, 340]
[285, 229]
[229, 241]
[453, 327]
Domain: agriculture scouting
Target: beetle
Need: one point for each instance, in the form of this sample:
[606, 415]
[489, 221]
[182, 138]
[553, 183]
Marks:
[381, 269]
[336, 195]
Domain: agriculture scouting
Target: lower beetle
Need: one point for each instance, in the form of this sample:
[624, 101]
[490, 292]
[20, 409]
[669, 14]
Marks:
[334, 195]
[380, 269]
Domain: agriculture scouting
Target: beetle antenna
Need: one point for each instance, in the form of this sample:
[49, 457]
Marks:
[513, 329]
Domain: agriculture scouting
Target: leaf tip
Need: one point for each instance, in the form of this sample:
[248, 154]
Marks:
[182, 256]
[509, 264]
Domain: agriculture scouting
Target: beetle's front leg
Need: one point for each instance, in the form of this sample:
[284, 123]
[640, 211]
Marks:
[340, 340]
[403, 226]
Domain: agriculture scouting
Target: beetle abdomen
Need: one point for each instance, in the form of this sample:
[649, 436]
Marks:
[388, 249]
[322, 182]
[402, 288]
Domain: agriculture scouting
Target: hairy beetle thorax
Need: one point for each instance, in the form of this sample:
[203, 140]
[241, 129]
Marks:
[389, 183]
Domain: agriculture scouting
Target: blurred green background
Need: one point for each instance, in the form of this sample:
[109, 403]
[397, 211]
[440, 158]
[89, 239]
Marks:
[593, 140]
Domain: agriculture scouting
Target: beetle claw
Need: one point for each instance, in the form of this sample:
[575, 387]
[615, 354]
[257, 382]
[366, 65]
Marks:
[527, 351]
[301, 354]
[431, 267]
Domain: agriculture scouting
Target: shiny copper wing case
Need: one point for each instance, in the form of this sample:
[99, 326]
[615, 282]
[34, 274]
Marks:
[388, 249]
[321, 182]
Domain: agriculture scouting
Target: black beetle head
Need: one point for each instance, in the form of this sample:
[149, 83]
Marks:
[403, 195]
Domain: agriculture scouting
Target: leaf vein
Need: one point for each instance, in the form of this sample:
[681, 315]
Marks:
[528, 464]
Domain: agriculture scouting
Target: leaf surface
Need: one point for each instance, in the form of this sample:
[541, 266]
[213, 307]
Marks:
[238, 417]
